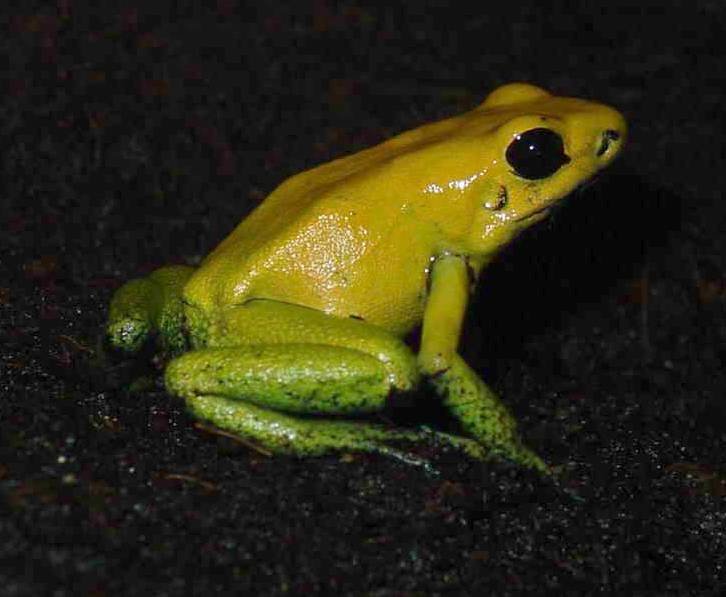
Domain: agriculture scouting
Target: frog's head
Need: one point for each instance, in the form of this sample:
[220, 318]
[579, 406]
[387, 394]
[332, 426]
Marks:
[516, 155]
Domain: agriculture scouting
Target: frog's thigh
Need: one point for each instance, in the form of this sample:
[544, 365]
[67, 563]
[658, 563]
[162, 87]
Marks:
[295, 359]
[299, 378]
[271, 322]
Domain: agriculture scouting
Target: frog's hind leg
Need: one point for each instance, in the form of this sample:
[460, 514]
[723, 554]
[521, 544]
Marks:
[283, 434]
[272, 361]
[150, 305]
[256, 392]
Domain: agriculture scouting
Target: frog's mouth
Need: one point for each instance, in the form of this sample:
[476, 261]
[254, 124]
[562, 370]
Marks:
[542, 212]
[535, 216]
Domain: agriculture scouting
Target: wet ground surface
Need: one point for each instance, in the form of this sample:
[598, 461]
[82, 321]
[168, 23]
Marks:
[134, 137]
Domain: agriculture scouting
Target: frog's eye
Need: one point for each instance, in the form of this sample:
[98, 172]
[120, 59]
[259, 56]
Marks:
[536, 154]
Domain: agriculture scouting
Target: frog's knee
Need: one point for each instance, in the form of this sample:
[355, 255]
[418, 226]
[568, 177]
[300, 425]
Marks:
[402, 368]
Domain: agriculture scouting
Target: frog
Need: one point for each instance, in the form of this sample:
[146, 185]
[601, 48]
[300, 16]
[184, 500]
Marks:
[297, 328]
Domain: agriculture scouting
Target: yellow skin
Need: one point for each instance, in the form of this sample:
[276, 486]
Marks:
[303, 309]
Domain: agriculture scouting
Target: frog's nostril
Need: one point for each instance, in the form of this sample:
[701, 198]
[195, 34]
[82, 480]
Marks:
[608, 138]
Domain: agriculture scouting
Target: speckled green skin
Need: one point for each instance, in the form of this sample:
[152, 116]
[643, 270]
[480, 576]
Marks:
[266, 362]
[147, 306]
[481, 413]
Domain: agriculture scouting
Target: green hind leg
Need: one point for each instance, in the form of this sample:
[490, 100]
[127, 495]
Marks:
[295, 368]
[284, 434]
[147, 306]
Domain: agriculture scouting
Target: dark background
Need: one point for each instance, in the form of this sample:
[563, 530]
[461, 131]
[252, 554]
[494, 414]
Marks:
[138, 134]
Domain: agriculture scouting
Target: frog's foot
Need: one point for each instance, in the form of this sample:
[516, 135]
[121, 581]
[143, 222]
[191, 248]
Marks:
[482, 415]
[314, 436]
[143, 307]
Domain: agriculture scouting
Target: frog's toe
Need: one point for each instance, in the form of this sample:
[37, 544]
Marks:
[393, 437]
[128, 333]
[518, 453]
[531, 460]
[523, 456]
[407, 458]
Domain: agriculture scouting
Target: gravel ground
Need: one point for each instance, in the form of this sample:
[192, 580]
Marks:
[137, 136]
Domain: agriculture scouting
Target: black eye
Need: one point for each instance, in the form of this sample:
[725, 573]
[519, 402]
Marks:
[536, 154]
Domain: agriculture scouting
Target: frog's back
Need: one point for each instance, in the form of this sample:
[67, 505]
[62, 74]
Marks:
[292, 200]
[310, 230]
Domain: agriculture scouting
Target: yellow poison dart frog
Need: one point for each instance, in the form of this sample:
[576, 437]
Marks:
[303, 309]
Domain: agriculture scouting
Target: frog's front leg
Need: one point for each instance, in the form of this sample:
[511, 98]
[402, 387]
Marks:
[269, 362]
[466, 396]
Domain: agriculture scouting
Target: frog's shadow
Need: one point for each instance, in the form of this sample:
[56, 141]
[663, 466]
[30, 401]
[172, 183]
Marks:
[593, 241]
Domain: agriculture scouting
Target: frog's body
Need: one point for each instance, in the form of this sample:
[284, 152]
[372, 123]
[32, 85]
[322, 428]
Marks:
[327, 253]
[303, 307]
